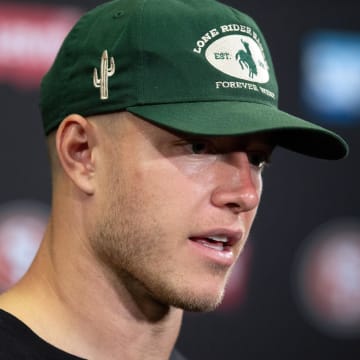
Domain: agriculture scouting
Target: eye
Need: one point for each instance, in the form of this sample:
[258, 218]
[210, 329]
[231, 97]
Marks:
[258, 159]
[199, 147]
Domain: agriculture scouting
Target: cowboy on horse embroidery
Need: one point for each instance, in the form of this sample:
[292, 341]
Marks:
[246, 60]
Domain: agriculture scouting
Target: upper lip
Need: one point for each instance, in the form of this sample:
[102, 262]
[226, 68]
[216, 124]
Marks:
[232, 236]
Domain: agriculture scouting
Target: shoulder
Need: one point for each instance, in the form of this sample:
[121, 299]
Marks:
[10, 334]
[18, 341]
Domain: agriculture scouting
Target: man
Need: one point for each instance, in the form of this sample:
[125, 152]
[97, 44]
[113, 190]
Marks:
[160, 116]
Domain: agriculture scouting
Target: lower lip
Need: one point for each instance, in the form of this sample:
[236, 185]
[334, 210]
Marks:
[222, 257]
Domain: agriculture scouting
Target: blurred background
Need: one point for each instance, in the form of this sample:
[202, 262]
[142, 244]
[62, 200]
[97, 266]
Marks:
[295, 292]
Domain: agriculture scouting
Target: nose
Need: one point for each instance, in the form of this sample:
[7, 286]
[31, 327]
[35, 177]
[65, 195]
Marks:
[239, 184]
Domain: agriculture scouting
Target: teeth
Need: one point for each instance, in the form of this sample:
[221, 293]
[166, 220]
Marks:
[223, 239]
[218, 247]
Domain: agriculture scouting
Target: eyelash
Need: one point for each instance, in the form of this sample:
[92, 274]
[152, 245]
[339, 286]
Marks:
[257, 159]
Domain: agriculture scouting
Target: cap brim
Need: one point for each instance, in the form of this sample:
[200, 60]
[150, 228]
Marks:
[239, 118]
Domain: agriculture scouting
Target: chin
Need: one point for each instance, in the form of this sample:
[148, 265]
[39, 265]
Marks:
[198, 294]
[192, 299]
[199, 303]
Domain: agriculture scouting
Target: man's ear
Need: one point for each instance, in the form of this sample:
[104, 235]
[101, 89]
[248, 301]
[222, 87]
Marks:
[75, 147]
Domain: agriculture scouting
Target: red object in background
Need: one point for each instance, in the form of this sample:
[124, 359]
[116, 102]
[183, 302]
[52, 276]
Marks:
[328, 274]
[22, 225]
[30, 37]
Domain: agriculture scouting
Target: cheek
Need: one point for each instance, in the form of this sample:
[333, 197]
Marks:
[257, 180]
[170, 197]
[174, 180]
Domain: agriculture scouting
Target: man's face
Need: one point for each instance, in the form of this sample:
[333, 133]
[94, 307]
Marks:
[174, 212]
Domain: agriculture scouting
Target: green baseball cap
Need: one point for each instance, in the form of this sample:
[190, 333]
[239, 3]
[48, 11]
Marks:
[196, 66]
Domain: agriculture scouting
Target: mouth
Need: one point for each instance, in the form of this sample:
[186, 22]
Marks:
[216, 242]
[218, 246]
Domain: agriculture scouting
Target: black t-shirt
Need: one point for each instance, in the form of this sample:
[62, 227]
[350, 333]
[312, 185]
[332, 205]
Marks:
[19, 342]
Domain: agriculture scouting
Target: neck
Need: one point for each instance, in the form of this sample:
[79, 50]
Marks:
[97, 316]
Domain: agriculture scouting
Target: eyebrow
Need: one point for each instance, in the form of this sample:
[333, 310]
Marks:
[234, 143]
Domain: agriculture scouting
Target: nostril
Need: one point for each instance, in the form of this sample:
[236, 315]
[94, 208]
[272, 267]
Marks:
[234, 207]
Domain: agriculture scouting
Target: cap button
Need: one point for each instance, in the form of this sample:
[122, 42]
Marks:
[118, 14]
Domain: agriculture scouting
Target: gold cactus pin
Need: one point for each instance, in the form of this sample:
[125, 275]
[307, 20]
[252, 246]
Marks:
[106, 72]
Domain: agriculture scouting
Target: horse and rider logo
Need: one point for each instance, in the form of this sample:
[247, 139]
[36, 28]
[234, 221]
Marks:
[245, 59]
[239, 56]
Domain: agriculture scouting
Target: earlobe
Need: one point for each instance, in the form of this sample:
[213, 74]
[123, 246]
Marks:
[75, 144]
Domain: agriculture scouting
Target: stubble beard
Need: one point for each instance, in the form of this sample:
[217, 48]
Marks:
[122, 243]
